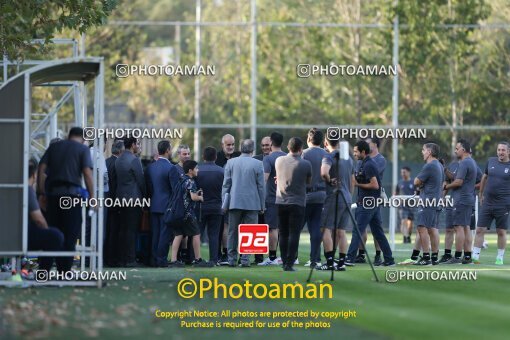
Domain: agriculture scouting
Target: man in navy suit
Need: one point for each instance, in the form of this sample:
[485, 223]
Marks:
[112, 219]
[130, 185]
[161, 175]
[210, 180]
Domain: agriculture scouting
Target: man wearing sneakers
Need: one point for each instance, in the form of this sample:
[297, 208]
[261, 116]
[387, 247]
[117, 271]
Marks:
[369, 189]
[450, 172]
[189, 226]
[244, 183]
[430, 181]
[293, 174]
[315, 194]
[380, 162]
[406, 187]
[463, 200]
[271, 213]
[342, 179]
[495, 201]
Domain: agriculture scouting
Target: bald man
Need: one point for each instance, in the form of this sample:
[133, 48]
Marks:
[265, 146]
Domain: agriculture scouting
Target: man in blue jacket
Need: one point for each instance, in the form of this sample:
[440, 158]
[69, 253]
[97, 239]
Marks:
[161, 175]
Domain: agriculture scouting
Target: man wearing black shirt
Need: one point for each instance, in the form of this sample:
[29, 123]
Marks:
[60, 172]
[369, 189]
[339, 175]
[227, 152]
[210, 181]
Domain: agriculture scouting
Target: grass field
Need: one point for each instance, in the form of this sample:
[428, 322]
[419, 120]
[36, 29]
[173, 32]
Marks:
[402, 310]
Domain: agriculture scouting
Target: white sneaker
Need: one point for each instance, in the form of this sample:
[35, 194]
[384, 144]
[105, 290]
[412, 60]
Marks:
[297, 261]
[278, 261]
[268, 262]
[485, 245]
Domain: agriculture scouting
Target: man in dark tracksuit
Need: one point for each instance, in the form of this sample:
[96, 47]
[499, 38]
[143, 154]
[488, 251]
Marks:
[369, 189]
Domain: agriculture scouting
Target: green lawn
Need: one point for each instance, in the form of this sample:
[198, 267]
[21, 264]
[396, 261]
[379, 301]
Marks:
[402, 310]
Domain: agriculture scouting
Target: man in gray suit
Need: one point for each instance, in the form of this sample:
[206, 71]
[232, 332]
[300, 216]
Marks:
[130, 185]
[244, 182]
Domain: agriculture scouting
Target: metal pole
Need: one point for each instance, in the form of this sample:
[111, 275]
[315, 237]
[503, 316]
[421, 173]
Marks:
[5, 69]
[394, 143]
[196, 132]
[81, 118]
[253, 116]
[177, 57]
[101, 180]
[26, 155]
[77, 86]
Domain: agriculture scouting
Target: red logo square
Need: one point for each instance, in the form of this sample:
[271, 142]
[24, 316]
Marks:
[253, 239]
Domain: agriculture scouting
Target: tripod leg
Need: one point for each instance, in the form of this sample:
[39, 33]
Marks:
[334, 236]
[355, 227]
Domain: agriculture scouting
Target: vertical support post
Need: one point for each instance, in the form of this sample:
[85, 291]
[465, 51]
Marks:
[5, 61]
[101, 180]
[177, 58]
[81, 118]
[26, 154]
[53, 126]
[253, 78]
[77, 88]
[394, 143]
[197, 130]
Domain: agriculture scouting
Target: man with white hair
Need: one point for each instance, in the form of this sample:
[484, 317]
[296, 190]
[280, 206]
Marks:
[244, 182]
[227, 151]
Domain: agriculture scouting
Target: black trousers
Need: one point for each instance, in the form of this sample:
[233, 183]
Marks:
[50, 239]
[111, 245]
[290, 222]
[213, 224]
[68, 221]
[260, 257]
[130, 219]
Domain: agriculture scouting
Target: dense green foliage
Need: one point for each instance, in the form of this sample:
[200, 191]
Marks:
[450, 76]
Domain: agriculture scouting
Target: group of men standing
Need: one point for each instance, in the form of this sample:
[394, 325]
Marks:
[287, 191]
[460, 180]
